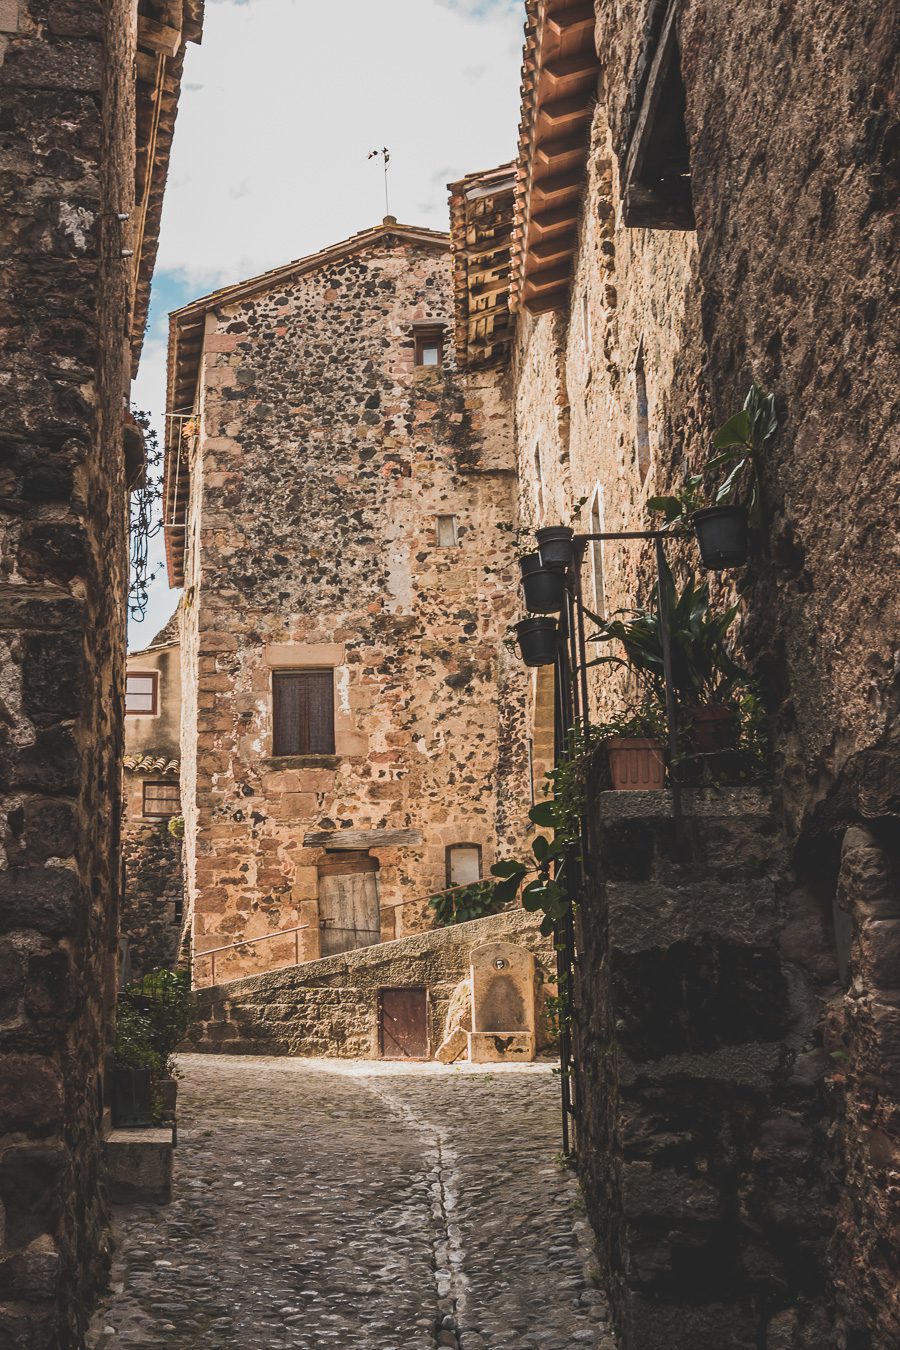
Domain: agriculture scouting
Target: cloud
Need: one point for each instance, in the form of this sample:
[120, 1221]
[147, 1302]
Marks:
[283, 101]
[280, 106]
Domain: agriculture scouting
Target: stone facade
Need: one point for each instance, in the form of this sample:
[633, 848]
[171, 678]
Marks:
[329, 1008]
[701, 1078]
[323, 461]
[74, 259]
[649, 342]
[153, 897]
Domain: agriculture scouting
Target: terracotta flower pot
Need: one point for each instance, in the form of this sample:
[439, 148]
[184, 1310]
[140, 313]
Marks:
[712, 728]
[636, 764]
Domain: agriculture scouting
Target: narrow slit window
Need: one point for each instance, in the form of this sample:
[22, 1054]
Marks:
[430, 348]
[641, 418]
[656, 183]
[446, 532]
[162, 799]
[303, 712]
[538, 484]
[463, 864]
[596, 527]
[142, 693]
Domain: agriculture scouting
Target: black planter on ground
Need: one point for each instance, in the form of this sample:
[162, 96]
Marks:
[538, 641]
[132, 1097]
[722, 535]
[544, 587]
[555, 545]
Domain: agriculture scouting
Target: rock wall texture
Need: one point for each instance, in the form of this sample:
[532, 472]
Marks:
[701, 1078]
[152, 915]
[153, 898]
[792, 133]
[330, 1007]
[325, 456]
[68, 152]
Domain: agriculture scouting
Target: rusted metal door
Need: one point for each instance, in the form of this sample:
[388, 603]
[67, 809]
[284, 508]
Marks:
[403, 1023]
[348, 901]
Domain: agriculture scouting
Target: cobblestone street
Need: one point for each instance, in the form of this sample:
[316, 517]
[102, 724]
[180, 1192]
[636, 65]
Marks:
[372, 1206]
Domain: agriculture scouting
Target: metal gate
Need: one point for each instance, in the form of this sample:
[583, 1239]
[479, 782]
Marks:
[403, 1023]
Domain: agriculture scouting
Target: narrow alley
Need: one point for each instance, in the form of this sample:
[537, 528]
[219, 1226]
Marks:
[359, 1205]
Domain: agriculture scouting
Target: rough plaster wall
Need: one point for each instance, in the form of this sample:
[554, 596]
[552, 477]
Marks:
[68, 141]
[326, 456]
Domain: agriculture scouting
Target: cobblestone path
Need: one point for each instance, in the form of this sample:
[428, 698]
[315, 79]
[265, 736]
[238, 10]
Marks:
[363, 1207]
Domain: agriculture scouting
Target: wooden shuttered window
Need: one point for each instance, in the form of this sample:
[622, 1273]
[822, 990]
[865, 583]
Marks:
[303, 712]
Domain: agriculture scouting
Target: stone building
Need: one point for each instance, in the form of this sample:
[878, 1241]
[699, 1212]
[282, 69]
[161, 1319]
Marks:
[335, 488]
[88, 93]
[704, 198]
[153, 886]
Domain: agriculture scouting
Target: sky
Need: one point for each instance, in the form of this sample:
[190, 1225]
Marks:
[280, 106]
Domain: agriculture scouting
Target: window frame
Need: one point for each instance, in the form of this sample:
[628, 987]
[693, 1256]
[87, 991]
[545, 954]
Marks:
[644, 206]
[454, 526]
[158, 783]
[281, 676]
[432, 336]
[448, 868]
[643, 442]
[153, 676]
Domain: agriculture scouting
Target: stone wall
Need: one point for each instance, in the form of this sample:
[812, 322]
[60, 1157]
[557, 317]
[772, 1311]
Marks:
[701, 1076]
[791, 130]
[330, 1007]
[324, 457]
[153, 899]
[67, 112]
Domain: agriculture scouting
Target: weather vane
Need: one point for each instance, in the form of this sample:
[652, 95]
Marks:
[385, 154]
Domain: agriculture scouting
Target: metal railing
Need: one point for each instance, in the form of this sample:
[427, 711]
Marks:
[213, 952]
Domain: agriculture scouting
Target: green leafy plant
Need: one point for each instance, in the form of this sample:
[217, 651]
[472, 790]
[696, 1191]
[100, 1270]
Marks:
[703, 668]
[554, 860]
[134, 1046]
[647, 721]
[740, 442]
[175, 826]
[460, 904]
[162, 1001]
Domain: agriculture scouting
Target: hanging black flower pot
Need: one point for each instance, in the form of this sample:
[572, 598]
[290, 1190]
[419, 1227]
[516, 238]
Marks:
[722, 535]
[555, 545]
[538, 641]
[544, 587]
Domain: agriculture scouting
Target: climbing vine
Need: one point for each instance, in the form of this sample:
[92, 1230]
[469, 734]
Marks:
[145, 521]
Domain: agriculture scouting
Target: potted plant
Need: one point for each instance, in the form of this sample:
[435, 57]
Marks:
[544, 586]
[151, 1021]
[538, 641]
[704, 672]
[635, 749]
[722, 527]
[555, 545]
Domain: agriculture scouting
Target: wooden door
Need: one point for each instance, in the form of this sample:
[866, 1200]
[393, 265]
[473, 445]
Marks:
[349, 914]
[403, 1023]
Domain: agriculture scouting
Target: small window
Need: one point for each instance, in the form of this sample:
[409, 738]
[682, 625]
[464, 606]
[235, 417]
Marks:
[585, 322]
[446, 532]
[463, 864]
[656, 183]
[430, 347]
[142, 693]
[596, 527]
[303, 712]
[538, 484]
[641, 417]
[162, 799]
